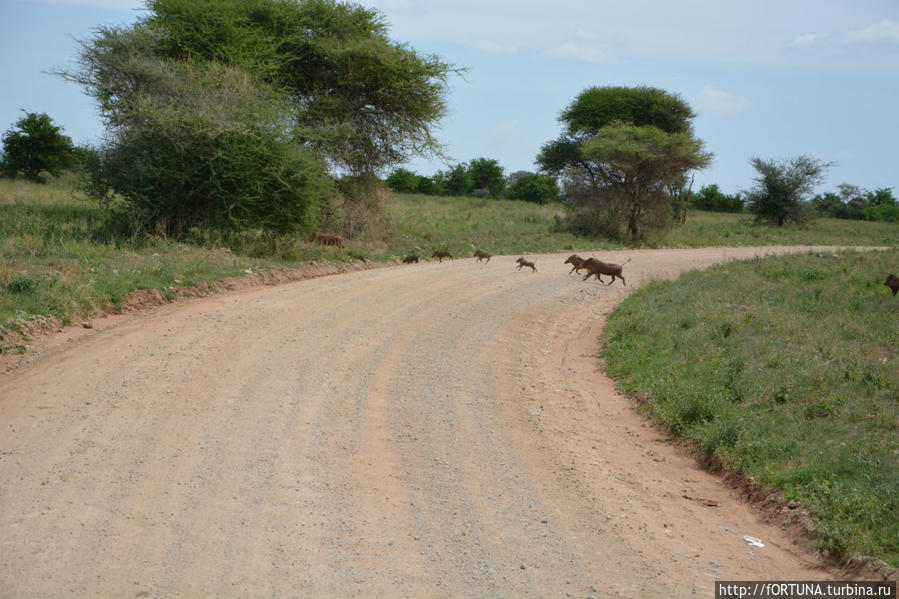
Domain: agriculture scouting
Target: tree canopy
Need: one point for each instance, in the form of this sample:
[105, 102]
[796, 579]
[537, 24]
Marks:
[35, 145]
[598, 107]
[623, 155]
[487, 174]
[363, 101]
[853, 202]
[232, 111]
[710, 197]
[533, 187]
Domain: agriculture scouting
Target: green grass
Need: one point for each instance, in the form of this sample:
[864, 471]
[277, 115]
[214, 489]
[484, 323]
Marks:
[57, 259]
[704, 229]
[421, 223]
[787, 370]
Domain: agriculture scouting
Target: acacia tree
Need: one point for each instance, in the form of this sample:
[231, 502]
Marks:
[623, 157]
[363, 101]
[35, 145]
[783, 189]
[305, 85]
[638, 165]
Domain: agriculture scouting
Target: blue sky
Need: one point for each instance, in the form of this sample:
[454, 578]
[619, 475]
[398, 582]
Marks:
[767, 78]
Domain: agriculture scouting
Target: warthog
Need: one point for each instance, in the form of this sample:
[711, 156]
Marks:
[892, 282]
[441, 254]
[596, 267]
[576, 262]
[523, 262]
[413, 259]
[482, 255]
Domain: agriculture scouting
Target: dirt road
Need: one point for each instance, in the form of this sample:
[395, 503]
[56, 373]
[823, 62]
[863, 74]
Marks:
[435, 430]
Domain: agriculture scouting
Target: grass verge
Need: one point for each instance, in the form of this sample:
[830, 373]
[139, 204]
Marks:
[785, 369]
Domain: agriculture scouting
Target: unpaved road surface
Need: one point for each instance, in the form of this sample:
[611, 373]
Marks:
[435, 430]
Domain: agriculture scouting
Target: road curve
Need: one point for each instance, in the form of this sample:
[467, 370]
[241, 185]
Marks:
[434, 430]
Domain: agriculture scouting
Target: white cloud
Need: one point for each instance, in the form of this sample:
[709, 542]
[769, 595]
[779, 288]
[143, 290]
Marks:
[886, 31]
[581, 52]
[719, 102]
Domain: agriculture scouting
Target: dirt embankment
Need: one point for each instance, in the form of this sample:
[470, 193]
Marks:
[434, 430]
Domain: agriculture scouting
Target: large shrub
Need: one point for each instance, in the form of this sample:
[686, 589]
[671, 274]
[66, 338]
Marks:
[403, 181]
[203, 145]
[533, 187]
[783, 187]
[487, 174]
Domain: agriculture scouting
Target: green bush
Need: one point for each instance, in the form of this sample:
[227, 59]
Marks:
[488, 175]
[403, 181]
[714, 200]
[205, 149]
[854, 203]
[533, 187]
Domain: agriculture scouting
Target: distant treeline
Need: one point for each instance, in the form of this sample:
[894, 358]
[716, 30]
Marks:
[482, 177]
[855, 203]
[849, 202]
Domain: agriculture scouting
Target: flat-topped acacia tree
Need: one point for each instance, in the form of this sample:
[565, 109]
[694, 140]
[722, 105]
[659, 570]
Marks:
[622, 152]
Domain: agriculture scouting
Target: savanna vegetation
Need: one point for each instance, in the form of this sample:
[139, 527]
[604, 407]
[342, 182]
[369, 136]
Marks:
[784, 369]
[236, 128]
[63, 254]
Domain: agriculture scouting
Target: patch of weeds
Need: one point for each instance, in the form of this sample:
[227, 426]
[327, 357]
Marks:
[688, 412]
[861, 373]
[782, 395]
[22, 284]
[723, 331]
[813, 274]
[820, 409]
